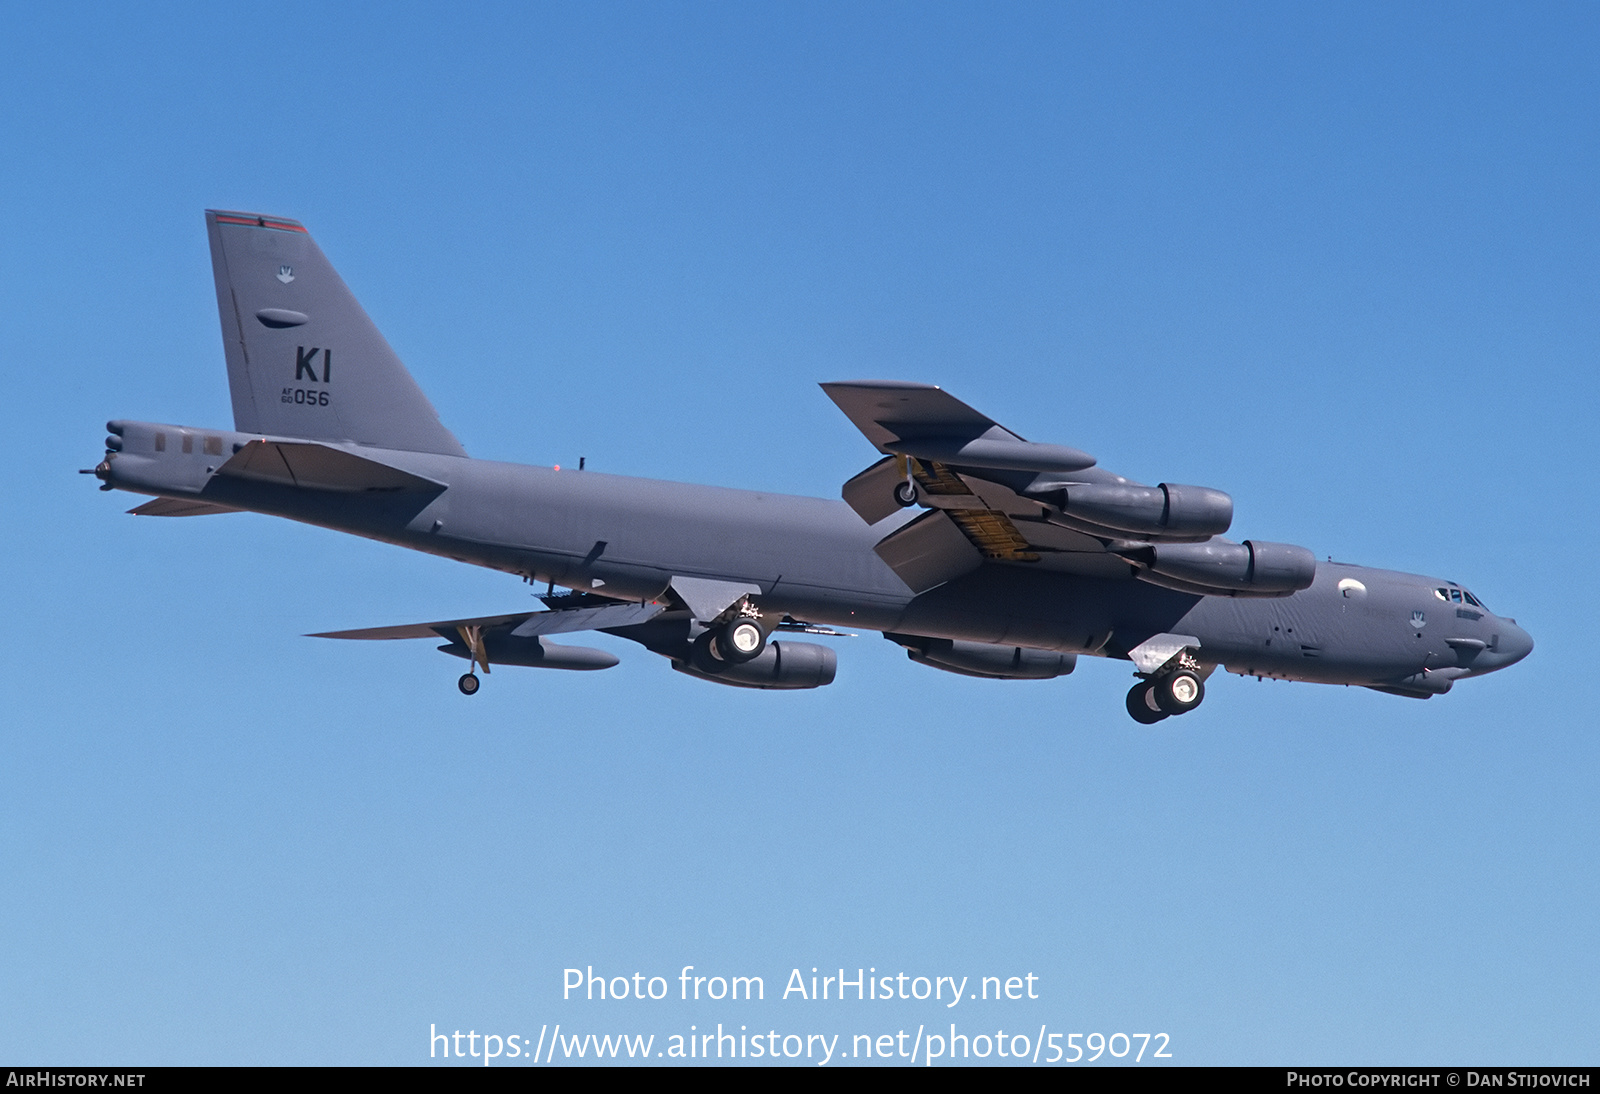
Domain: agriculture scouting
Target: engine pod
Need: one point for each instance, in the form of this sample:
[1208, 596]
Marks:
[785, 666]
[986, 660]
[1165, 510]
[1253, 566]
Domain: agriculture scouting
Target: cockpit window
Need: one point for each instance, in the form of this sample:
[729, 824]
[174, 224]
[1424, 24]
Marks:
[1458, 595]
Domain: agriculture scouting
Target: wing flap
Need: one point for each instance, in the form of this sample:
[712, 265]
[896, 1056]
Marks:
[587, 619]
[929, 551]
[871, 493]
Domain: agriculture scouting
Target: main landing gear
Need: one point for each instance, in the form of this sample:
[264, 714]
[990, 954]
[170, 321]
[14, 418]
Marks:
[1162, 696]
[735, 642]
[468, 684]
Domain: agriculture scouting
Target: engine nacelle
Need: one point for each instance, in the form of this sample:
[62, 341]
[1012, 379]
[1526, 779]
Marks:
[786, 666]
[1165, 510]
[986, 660]
[1252, 566]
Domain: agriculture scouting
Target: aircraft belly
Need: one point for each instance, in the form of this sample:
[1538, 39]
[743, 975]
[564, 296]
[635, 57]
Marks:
[1028, 607]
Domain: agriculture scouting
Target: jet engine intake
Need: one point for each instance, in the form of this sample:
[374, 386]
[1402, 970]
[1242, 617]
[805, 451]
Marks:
[986, 660]
[1252, 566]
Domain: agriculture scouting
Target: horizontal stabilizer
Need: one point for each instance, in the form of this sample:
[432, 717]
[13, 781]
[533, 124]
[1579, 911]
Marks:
[319, 467]
[178, 507]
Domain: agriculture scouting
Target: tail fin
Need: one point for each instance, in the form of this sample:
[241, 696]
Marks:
[303, 358]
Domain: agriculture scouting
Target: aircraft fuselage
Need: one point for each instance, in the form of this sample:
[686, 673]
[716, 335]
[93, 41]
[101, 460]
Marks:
[813, 559]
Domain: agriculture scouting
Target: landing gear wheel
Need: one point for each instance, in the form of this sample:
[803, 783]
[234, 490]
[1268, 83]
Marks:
[705, 656]
[741, 640]
[1179, 692]
[905, 494]
[468, 684]
[1141, 704]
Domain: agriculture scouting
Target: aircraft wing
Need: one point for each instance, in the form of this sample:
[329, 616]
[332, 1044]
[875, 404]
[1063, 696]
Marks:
[887, 410]
[970, 473]
[522, 625]
[989, 496]
[925, 422]
[520, 639]
[444, 628]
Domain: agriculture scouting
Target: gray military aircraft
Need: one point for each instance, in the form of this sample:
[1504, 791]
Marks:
[977, 551]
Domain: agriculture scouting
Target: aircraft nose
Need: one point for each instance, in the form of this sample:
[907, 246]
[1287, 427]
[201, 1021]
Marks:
[1515, 644]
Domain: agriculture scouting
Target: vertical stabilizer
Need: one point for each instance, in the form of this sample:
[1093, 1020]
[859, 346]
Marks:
[303, 358]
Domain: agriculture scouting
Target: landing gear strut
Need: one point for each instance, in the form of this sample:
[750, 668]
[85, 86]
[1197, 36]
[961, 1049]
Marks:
[477, 653]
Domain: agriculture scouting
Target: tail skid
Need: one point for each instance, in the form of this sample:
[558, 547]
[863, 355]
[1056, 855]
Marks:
[304, 360]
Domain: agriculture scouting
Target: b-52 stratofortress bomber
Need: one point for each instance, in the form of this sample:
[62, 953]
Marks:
[977, 551]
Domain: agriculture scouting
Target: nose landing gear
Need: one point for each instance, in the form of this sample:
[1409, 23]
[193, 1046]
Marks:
[468, 684]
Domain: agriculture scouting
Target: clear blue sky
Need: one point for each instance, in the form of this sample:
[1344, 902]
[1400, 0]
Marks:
[1338, 260]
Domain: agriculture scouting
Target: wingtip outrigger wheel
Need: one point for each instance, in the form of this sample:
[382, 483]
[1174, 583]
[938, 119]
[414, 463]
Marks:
[905, 491]
[468, 684]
